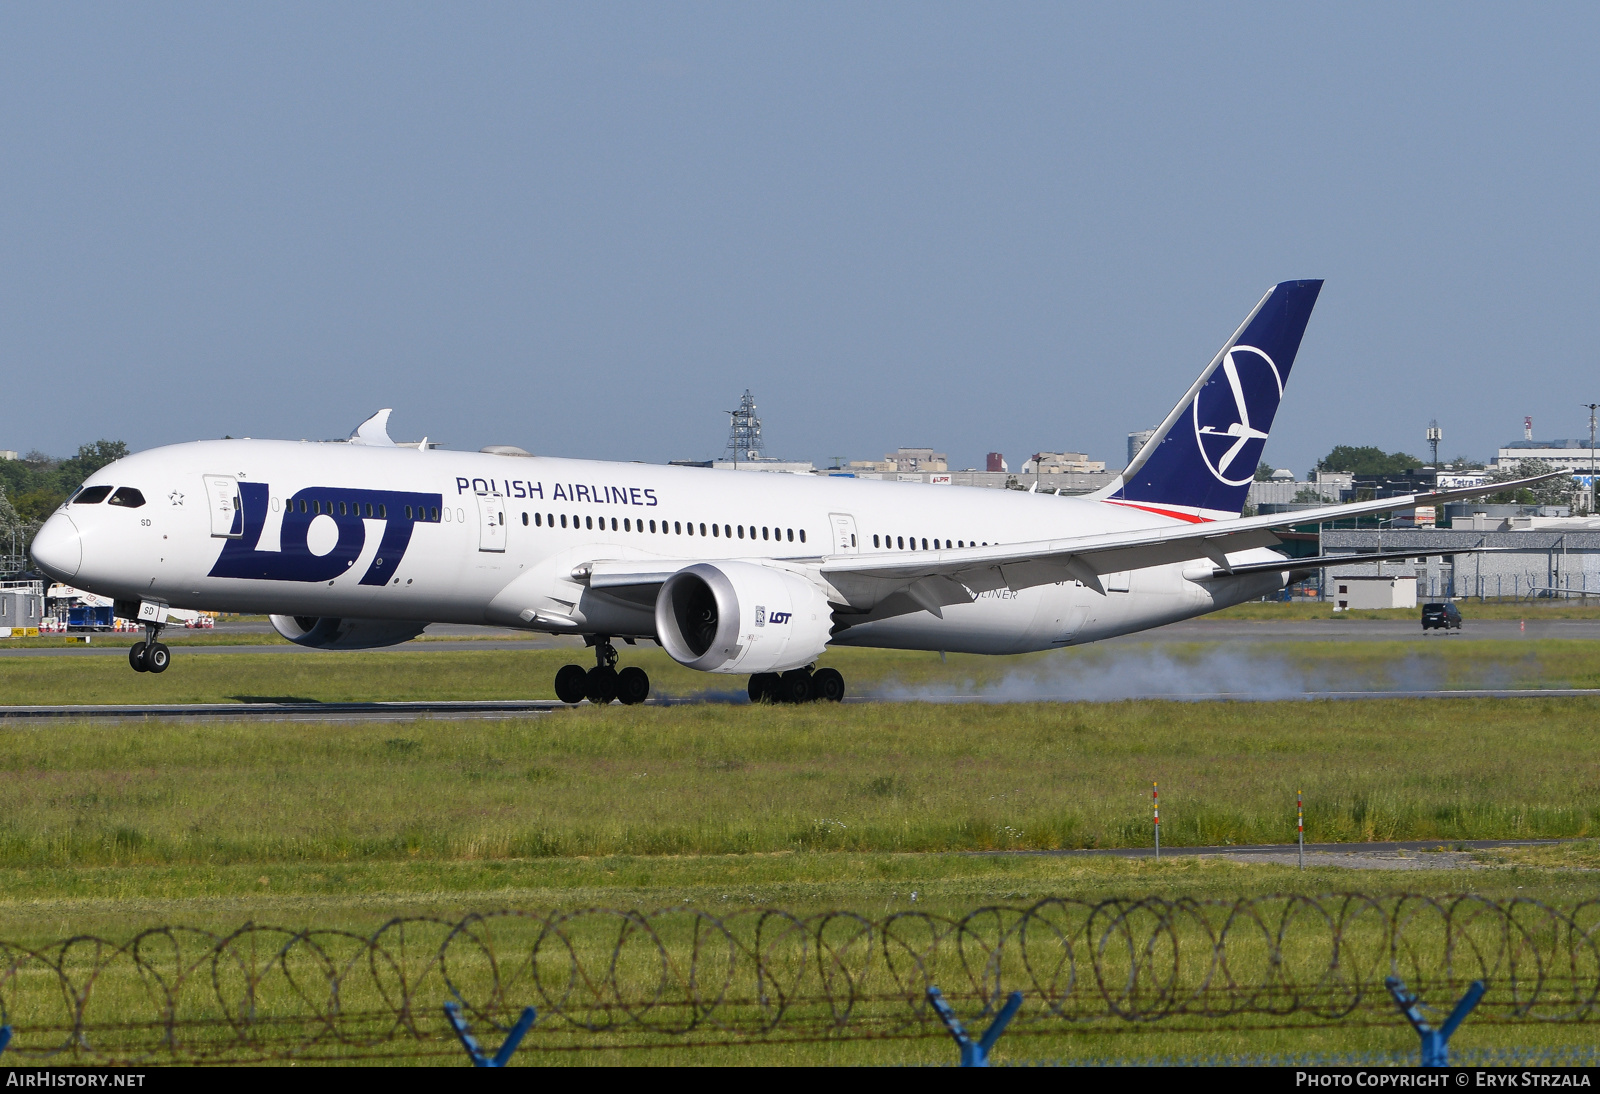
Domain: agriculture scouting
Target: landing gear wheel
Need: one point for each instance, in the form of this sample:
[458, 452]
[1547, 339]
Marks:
[572, 683]
[136, 657]
[601, 685]
[763, 687]
[795, 686]
[157, 657]
[633, 685]
[829, 685]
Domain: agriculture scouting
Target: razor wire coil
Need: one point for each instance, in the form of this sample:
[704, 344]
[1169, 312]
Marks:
[614, 978]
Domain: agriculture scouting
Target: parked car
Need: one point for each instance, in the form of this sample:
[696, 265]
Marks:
[1441, 615]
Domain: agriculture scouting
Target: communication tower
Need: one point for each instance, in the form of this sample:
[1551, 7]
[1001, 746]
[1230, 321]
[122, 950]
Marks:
[1435, 435]
[744, 430]
[1527, 428]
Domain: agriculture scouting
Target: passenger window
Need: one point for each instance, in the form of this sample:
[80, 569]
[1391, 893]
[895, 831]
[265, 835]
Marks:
[924, 545]
[677, 527]
[741, 531]
[627, 524]
[524, 520]
[702, 529]
[652, 526]
[763, 532]
[874, 541]
[563, 520]
[803, 537]
[714, 531]
[791, 535]
[92, 495]
[902, 540]
[408, 512]
[588, 522]
[127, 497]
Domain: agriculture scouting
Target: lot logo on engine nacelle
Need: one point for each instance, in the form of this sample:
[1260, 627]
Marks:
[782, 617]
[1234, 410]
[324, 532]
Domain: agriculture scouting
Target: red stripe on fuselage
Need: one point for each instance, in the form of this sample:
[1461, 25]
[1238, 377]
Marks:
[1190, 517]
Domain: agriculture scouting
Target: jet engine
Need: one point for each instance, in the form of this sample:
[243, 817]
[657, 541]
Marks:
[328, 633]
[741, 617]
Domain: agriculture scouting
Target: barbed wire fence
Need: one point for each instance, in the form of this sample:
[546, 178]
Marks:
[603, 979]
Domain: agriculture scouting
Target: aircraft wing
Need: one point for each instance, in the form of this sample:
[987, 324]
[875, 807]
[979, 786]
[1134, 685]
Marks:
[934, 578]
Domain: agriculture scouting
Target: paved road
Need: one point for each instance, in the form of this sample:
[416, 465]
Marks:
[309, 710]
[1398, 855]
[1341, 630]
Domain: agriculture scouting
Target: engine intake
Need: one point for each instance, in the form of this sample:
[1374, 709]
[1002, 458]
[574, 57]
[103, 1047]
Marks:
[741, 617]
[329, 633]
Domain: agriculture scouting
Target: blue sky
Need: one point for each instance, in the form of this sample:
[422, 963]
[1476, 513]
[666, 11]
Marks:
[586, 228]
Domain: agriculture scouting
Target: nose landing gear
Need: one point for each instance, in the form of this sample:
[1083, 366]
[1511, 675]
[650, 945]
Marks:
[150, 655]
[603, 683]
[797, 686]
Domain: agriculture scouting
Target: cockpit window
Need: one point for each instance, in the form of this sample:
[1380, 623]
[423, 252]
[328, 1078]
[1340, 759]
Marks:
[127, 497]
[92, 495]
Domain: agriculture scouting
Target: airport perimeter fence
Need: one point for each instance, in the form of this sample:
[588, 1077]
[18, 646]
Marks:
[598, 979]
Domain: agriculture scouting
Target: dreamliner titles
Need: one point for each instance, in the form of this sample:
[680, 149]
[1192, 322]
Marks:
[600, 495]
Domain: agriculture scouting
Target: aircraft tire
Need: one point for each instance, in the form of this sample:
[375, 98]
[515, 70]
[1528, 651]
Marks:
[763, 687]
[136, 657]
[601, 685]
[795, 686]
[571, 684]
[829, 685]
[157, 657]
[633, 685]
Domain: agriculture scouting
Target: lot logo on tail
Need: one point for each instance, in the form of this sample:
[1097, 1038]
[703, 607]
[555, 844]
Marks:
[1233, 412]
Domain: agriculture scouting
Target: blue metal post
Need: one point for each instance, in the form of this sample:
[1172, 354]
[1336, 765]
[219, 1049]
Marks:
[975, 1053]
[452, 1014]
[1435, 1042]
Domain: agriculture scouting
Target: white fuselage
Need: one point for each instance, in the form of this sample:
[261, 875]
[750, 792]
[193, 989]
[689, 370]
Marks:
[494, 539]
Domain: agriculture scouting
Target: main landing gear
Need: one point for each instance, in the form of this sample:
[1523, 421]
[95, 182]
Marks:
[150, 655]
[797, 686]
[603, 683]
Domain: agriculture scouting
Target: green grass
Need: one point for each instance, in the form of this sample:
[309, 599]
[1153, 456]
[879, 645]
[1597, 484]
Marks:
[741, 780]
[109, 828]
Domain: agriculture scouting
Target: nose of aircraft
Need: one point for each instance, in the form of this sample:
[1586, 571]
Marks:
[58, 548]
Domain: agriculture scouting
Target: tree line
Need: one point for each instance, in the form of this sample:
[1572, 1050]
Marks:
[33, 487]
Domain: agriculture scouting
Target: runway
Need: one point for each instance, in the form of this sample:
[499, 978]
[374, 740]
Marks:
[303, 711]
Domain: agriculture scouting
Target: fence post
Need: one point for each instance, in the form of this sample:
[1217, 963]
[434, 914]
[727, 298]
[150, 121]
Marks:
[452, 1014]
[1435, 1042]
[1300, 824]
[1155, 803]
[975, 1053]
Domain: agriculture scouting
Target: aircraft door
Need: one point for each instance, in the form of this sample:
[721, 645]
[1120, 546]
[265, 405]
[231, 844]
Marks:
[491, 522]
[844, 533]
[227, 511]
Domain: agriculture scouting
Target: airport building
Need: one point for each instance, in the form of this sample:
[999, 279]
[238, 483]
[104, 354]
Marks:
[1531, 557]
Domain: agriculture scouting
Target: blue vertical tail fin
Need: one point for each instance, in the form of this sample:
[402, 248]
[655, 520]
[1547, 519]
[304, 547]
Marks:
[1198, 465]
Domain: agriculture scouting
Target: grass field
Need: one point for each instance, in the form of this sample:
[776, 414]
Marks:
[717, 780]
[110, 827]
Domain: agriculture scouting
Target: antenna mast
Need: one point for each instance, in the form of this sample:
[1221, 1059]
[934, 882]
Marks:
[744, 430]
[1435, 435]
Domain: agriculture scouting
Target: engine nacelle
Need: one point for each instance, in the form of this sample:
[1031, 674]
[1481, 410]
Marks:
[740, 617]
[328, 633]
